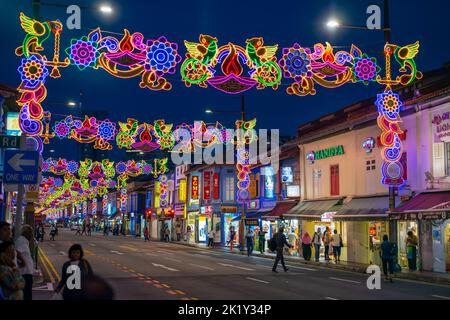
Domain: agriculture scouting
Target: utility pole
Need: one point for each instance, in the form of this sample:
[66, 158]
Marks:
[242, 222]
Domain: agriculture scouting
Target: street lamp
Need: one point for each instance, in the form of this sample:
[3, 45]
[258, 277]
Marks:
[71, 104]
[105, 8]
[37, 4]
[332, 24]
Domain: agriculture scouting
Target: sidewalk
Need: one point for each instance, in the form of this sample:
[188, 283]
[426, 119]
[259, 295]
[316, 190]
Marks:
[424, 276]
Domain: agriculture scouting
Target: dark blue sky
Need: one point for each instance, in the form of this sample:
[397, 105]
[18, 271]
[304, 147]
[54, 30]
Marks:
[282, 22]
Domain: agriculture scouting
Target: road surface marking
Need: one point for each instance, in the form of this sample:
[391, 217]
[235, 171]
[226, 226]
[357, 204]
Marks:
[301, 268]
[257, 280]
[52, 245]
[151, 254]
[158, 286]
[89, 252]
[330, 298]
[129, 248]
[164, 267]
[172, 259]
[179, 292]
[166, 252]
[165, 285]
[233, 266]
[345, 280]
[140, 275]
[92, 244]
[47, 287]
[171, 292]
[206, 252]
[149, 281]
[203, 267]
[441, 297]
[62, 253]
[116, 252]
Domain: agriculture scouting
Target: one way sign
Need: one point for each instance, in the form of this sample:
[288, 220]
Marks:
[21, 167]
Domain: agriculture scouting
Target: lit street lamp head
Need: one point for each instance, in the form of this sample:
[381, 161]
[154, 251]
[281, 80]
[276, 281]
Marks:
[332, 24]
[71, 104]
[105, 8]
[208, 111]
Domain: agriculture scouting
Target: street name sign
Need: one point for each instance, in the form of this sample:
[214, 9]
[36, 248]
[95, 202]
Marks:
[10, 141]
[21, 167]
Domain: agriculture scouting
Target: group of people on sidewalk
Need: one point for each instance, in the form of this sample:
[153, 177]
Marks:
[332, 244]
[85, 229]
[16, 263]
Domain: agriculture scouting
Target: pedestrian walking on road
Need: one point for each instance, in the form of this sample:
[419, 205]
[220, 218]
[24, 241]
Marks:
[232, 237]
[317, 241]
[326, 238]
[76, 258]
[11, 281]
[337, 244]
[280, 241]
[250, 241]
[53, 233]
[167, 234]
[23, 247]
[386, 258]
[188, 234]
[78, 232]
[306, 246]
[83, 231]
[262, 240]
[146, 234]
[89, 229]
[211, 235]
[41, 232]
[178, 231]
[411, 247]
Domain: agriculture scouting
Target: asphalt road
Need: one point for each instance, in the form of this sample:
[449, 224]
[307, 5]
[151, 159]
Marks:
[156, 270]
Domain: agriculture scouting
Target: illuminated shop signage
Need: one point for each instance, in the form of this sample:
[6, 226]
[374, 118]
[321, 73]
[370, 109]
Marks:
[287, 175]
[325, 153]
[216, 186]
[194, 187]
[293, 191]
[206, 185]
[327, 216]
[441, 126]
[269, 182]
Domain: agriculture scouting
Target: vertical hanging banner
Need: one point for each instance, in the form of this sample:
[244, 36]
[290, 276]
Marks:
[182, 191]
[194, 187]
[207, 185]
[216, 186]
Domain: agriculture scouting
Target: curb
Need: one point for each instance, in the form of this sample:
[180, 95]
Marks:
[356, 269]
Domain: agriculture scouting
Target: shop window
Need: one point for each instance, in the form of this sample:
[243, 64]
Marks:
[334, 180]
[229, 189]
[371, 165]
[317, 182]
[447, 158]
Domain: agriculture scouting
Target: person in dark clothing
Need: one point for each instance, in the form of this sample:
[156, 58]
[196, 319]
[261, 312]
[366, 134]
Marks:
[280, 240]
[386, 258]
[262, 240]
[76, 258]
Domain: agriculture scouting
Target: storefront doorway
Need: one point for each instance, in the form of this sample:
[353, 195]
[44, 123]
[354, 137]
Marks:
[404, 227]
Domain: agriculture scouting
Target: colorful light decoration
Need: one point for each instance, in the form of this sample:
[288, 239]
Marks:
[163, 202]
[243, 156]
[94, 206]
[105, 204]
[389, 107]
[311, 156]
[201, 58]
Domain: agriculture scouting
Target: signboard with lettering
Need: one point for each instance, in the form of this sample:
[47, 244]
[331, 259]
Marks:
[10, 141]
[441, 125]
[194, 187]
[251, 222]
[207, 185]
[228, 209]
[182, 191]
[436, 215]
[325, 153]
[216, 186]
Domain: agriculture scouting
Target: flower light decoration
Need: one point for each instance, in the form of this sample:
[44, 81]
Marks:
[324, 67]
[389, 106]
[368, 145]
[105, 204]
[201, 58]
[163, 202]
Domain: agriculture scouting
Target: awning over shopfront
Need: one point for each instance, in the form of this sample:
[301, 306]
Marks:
[313, 209]
[365, 208]
[249, 215]
[280, 209]
[424, 206]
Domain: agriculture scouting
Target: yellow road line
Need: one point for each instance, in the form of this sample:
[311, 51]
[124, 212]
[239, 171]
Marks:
[129, 248]
[47, 271]
[49, 264]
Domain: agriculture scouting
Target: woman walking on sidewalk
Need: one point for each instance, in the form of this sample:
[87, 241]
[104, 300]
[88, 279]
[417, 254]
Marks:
[306, 246]
[76, 258]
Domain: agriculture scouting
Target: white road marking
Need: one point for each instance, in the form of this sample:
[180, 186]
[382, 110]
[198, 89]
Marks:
[92, 244]
[164, 267]
[166, 252]
[129, 248]
[62, 253]
[345, 280]
[257, 280]
[330, 298]
[52, 245]
[199, 266]
[47, 287]
[301, 268]
[151, 254]
[116, 252]
[440, 297]
[230, 265]
[211, 253]
[172, 259]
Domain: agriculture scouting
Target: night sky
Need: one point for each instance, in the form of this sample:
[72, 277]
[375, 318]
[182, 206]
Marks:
[229, 21]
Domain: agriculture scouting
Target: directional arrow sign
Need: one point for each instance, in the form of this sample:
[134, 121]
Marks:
[21, 167]
[164, 267]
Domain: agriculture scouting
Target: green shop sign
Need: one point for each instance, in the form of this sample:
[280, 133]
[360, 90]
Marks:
[325, 153]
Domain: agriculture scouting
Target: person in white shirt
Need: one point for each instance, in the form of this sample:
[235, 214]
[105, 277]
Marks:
[337, 244]
[211, 235]
[317, 241]
[23, 247]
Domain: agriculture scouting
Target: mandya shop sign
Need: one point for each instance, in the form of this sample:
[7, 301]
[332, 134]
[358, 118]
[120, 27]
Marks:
[325, 153]
[441, 126]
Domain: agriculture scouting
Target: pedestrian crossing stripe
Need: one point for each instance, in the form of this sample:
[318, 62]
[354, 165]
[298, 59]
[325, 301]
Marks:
[47, 287]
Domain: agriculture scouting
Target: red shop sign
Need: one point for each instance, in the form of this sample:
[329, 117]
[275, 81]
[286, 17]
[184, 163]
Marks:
[216, 185]
[194, 187]
[206, 185]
